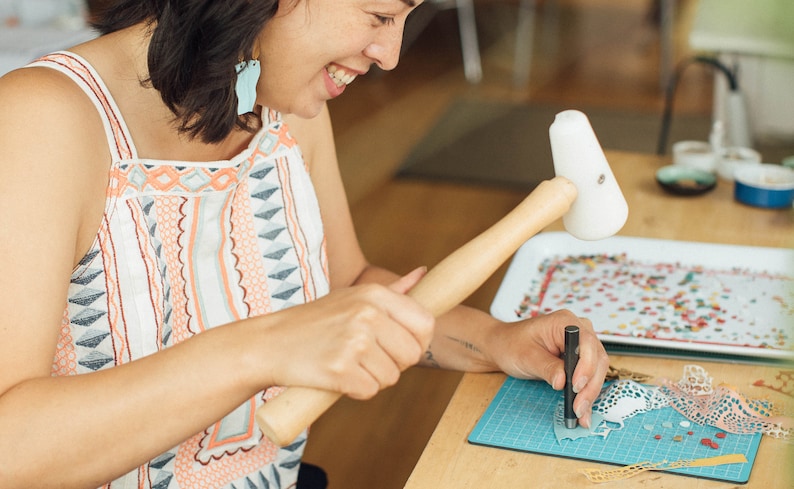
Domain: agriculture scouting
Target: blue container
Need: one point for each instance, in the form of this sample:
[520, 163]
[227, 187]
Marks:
[767, 185]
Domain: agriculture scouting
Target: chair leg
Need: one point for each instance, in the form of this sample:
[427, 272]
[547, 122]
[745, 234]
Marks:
[666, 28]
[525, 29]
[472, 64]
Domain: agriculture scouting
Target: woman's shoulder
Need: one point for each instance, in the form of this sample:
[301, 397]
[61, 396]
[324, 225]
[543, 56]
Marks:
[43, 97]
[47, 119]
[35, 80]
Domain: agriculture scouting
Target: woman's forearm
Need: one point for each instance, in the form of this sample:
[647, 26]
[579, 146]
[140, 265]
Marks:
[460, 341]
[120, 417]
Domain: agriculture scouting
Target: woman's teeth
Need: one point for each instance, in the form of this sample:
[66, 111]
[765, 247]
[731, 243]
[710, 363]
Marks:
[339, 76]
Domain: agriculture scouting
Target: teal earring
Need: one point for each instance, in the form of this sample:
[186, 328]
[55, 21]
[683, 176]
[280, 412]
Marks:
[248, 73]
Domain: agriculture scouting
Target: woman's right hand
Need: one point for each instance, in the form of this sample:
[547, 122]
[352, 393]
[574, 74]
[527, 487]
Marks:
[355, 341]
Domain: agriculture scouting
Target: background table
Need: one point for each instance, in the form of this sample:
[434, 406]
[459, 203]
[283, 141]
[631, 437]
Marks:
[449, 461]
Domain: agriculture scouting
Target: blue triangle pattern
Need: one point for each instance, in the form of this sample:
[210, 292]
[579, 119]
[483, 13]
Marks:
[162, 481]
[87, 311]
[92, 338]
[88, 258]
[161, 470]
[87, 277]
[261, 172]
[277, 251]
[268, 211]
[86, 297]
[276, 242]
[149, 210]
[95, 360]
[296, 445]
[276, 476]
[147, 206]
[282, 271]
[87, 317]
[286, 291]
[162, 460]
[265, 192]
[272, 231]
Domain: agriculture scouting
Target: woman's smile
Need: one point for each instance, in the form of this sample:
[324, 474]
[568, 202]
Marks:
[337, 79]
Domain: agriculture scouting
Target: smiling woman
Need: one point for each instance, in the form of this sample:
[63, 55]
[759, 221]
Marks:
[169, 263]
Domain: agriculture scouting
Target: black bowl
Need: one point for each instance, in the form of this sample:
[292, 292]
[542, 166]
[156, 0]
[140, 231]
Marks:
[682, 180]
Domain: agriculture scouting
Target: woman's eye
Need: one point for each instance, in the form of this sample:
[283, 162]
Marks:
[383, 20]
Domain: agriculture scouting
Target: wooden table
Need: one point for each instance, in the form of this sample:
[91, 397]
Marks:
[449, 462]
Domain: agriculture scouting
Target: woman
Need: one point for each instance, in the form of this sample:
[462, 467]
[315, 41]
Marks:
[170, 254]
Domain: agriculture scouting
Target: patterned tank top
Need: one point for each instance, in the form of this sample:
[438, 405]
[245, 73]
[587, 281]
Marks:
[183, 247]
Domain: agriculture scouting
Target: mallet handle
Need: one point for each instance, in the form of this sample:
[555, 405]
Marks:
[283, 418]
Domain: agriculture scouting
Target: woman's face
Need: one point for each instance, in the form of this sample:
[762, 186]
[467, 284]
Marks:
[312, 49]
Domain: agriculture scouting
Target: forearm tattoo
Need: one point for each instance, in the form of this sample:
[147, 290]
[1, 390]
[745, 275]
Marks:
[465, 344]
[431, 360]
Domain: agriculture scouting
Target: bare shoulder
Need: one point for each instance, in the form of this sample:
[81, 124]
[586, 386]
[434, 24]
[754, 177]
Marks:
[51, 140]
[40, 105]
[44, 94]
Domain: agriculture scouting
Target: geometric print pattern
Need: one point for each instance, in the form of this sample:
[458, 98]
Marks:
[185, 247]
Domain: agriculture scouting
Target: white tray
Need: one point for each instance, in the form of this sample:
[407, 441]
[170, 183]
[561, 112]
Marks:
[644, 293]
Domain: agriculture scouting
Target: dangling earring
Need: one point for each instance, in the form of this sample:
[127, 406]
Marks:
[248, 73]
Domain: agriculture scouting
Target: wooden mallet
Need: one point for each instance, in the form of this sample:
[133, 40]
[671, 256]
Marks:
[584, 192]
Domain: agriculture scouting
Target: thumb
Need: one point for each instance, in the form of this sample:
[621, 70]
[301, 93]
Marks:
[408, 281]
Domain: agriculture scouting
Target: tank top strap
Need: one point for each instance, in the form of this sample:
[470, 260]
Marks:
[86, 77]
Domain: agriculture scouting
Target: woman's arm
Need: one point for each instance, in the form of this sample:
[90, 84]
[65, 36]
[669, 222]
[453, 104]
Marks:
[470, 340]
[464, 339]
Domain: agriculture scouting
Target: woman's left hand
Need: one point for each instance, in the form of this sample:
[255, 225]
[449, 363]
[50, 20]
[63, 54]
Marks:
[532, 349]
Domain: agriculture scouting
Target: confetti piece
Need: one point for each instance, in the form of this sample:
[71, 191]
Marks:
[783, 383]
[685, 424]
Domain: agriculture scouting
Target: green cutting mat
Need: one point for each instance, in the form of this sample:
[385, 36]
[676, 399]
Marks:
[521, 418]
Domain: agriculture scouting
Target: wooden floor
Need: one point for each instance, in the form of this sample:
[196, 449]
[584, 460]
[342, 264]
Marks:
[587, 53]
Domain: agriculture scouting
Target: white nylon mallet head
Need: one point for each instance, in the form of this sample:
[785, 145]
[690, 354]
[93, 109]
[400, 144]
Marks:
[600, 210]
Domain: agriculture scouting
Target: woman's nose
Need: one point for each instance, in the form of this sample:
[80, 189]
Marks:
[385, 51]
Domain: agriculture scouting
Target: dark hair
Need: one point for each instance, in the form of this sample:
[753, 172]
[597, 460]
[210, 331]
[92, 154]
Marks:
[194, 48]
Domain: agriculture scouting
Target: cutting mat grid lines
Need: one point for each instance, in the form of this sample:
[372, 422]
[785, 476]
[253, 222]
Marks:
[521, 418]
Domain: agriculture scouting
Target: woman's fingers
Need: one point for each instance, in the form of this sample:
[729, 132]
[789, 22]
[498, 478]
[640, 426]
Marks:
[355, 341]
[407, 281]
[533, 349]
